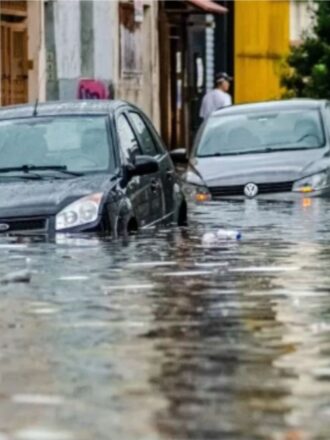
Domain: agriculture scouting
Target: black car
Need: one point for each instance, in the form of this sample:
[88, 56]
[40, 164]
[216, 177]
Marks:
[278, 149]
[84, 166]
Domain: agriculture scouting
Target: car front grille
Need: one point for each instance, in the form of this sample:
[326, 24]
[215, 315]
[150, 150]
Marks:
[238, 190]
[23, 224]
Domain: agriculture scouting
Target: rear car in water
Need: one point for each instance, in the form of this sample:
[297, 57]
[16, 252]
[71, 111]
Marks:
[264, 150]
[84, 166]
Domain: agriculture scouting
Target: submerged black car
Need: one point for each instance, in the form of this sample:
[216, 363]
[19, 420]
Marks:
[84, 166]
[278, 149]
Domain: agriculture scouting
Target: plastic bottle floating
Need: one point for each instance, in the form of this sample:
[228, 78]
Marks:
[219, 236]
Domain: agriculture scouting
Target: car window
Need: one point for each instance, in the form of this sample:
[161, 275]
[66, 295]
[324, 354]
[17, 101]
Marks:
[81, 143]
[261, 132]
[148, 144]
[127, 139]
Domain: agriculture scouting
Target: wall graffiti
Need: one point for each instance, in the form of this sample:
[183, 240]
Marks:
[93, 89]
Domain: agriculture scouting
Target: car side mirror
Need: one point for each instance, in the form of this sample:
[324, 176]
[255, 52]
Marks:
[143, 165]
[179, 156]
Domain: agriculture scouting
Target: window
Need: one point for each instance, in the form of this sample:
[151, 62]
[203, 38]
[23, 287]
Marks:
[148, 144]
[81, 143]
[127, 139]
[261, 132]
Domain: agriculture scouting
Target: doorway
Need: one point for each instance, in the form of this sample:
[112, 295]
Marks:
[14, 53]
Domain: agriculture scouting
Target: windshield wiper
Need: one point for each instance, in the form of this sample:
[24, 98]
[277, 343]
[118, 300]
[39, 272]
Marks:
[28, 168]
[265, 150]
[274, 150]
[232, 153]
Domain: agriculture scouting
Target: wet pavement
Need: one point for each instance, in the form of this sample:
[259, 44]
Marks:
[159, 337]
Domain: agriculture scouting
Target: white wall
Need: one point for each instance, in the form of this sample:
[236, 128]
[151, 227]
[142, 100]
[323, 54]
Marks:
[103, 39]
[67, 38]
[36, 51]
[142, 91]
[300, 19]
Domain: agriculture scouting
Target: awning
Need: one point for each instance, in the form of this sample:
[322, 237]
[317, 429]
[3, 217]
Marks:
[208, 6]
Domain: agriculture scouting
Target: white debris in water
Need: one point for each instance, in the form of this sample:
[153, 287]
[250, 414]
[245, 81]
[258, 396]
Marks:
[13, 246]
[21, 276]
[320, 327]
[74, 278]
[42, 434]
[209, 238]
[323, 372]
[44, 311]
[37, 399]
[213, 264]
[220, 236]
[265, 269]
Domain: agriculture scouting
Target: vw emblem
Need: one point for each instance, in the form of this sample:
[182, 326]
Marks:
[251, 190]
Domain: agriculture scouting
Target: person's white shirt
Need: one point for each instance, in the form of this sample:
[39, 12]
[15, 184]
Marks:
[214, 100]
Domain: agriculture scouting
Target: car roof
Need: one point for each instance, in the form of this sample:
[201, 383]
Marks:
[78, 107]
[288, 104]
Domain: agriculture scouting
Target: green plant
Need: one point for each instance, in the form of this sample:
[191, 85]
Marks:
[306, 71]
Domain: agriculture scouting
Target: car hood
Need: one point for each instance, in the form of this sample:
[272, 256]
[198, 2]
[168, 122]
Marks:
[283, 166]
[48, 196]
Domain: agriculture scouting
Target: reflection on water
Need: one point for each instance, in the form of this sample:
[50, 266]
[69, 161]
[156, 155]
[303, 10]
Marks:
[161, 338]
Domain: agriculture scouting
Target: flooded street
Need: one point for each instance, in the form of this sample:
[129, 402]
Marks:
[162, 338]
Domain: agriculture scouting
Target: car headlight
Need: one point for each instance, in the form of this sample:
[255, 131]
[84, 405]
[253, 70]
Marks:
[316, 182]
[196, 193]
[80, 212]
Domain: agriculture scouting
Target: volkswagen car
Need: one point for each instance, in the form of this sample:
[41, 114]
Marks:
[84, 166]
[263, 150]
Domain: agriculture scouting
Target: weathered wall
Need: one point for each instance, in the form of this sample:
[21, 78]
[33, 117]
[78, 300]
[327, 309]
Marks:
[36, 51]
[68, 46]
[143, 90]
[83, 41]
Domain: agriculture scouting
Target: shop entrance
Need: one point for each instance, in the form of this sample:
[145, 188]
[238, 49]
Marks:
[13, 49]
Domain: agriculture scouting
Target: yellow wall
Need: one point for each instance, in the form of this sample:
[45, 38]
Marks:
[261, 40]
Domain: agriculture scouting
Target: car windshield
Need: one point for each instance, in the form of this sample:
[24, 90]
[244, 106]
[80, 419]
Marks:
[261, 132]
[76, 143]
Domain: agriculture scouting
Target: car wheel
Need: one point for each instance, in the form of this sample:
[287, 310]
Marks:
[132, 227]
[125, 229]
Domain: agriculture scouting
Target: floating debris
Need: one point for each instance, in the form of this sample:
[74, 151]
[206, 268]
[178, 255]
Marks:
[22, 276]
[220, 236]
[37, 399]
[74, 278]
[265, 269]
[42, 434]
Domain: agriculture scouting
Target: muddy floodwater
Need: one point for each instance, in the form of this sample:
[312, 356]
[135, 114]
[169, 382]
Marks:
[160, 338]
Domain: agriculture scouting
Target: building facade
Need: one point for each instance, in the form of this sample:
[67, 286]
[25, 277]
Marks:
[103, 49]
[59, 49]
[160, 55]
